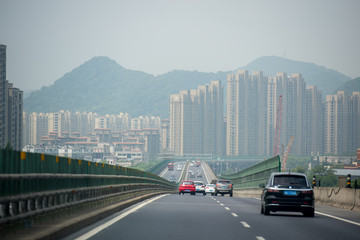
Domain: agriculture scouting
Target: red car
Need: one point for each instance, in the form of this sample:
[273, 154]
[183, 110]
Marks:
[187, 187]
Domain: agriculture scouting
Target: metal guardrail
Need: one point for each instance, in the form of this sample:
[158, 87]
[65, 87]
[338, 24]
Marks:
[16, 184]
[32, 184]
[255, 175]
[64, 190]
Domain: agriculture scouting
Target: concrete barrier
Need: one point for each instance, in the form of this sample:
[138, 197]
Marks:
[347, 198]
[249, 192]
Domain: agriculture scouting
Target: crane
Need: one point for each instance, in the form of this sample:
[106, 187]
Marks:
[285, 156]
[278, 127]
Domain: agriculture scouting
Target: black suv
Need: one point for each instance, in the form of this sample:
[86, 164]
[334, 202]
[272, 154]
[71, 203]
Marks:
[290, 192]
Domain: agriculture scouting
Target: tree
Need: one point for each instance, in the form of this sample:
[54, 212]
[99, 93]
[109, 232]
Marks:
[299, 169]
[325, 175]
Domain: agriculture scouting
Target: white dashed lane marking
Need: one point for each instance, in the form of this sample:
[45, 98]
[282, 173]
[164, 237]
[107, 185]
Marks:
[245, 224]
[234, 214]
[227, 208]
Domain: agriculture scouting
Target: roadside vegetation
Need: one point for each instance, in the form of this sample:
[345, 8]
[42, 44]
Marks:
[325, 176]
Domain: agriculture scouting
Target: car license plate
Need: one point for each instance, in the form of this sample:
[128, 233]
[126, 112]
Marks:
[187, 190]
[224, 186]
[290, 193]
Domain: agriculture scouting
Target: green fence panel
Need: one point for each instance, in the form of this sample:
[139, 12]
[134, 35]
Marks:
[255, 175]
[15, 162]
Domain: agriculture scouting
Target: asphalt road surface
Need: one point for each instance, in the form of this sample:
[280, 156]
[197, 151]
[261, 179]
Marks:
[215, 217]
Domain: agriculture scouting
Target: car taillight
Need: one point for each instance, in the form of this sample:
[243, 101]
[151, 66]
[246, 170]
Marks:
[308, 192]
[230, 185]
[217, 185]
[273, 190]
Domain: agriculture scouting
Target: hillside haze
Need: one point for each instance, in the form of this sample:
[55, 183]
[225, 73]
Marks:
[324, 79]
[101, 85]
[350, 86]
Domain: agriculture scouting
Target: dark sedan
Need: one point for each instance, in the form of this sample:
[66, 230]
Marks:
[290, 192]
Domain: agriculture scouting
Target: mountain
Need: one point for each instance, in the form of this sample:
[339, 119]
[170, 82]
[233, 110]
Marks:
[350, 86]
[101, 85]
[324, 79]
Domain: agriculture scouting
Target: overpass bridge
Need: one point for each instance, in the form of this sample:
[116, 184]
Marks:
[68, 197]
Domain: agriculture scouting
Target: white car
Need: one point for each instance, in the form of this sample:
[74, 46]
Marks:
[210, 188]
[179, 168]
[199, 187]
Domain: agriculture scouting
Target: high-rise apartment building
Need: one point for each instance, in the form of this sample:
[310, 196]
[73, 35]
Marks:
[246, 114]
[15, 124]
[11, 109]
[335, 123]
[314, 122]
[342, 122]
[196, 120]
[35, 127]
[252, 102]
[165, 135]
[3, 99]
[354, 122]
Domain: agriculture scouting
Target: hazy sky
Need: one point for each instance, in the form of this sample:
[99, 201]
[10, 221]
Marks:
[46, 39]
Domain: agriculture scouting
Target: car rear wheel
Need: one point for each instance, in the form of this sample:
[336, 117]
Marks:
[204, 194]
[231, 194]
[266, 211]
[309, 213]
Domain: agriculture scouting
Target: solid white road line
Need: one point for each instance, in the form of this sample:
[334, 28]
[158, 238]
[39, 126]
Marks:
[341, 219]
[163, 172]
[205, 173]
[114, 220]
[234, 214]
[245, 224]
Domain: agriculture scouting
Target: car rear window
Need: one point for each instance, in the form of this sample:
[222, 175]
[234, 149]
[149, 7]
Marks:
[290, 180]
[199, 183]
[188, 183]
[224, 182]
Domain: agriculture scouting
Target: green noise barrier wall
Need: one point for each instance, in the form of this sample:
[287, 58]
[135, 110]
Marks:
[253, 176]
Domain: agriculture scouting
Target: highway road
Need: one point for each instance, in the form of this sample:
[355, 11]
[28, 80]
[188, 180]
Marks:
[215, 217]
[209, 217]
[177, 173]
